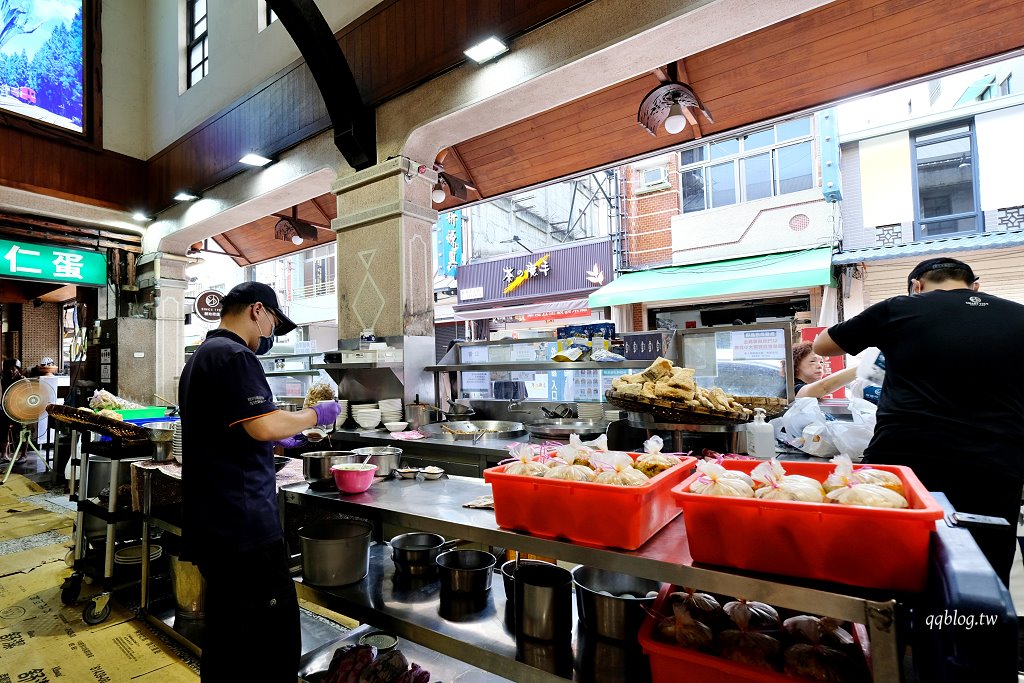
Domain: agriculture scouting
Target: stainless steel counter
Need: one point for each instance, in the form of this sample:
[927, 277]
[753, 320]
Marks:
[436, 506]
[458, 457]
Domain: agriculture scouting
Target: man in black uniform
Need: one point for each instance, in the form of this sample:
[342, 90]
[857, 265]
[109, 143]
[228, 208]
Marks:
[953, 397]
[231, 527]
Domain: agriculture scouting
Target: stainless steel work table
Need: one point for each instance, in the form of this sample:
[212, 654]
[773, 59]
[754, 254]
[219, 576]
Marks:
[436, 506]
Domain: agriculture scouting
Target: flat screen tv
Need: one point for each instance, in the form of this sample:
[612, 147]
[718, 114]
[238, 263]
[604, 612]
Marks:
[42, 61]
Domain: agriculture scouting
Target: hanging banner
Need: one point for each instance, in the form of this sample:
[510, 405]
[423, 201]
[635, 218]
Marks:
[449, 243]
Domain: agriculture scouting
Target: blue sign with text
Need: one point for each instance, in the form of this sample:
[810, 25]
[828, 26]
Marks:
[449, 243]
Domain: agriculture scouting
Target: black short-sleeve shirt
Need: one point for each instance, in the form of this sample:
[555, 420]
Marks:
[954, 383]
[228, 479]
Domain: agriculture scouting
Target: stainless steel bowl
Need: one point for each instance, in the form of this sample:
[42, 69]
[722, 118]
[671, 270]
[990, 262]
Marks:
[465, 571]
[612, 616]
[386, 458]
[316, 466]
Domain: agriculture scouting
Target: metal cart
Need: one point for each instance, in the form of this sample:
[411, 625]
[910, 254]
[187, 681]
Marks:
[126, 442]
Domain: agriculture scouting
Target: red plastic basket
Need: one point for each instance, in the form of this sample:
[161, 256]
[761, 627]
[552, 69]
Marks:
[598, 514]
[671, 663]
[859, 546]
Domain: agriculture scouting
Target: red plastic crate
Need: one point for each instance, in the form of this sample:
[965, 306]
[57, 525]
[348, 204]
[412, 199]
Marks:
[671, 663]
[859, 546]
[598, 514]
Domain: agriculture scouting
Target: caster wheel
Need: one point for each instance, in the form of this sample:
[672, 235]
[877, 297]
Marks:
[69, 559]
[71, 589]
[93, 617]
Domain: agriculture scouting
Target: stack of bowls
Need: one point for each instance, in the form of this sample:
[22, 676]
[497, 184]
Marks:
[366, 416]
[342, 413]
[613, 415]
[391, 409]
[590, 411]
[176, 451]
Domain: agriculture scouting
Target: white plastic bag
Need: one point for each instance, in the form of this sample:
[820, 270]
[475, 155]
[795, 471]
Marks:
[804, 426]
[851, 438]
[872, 366]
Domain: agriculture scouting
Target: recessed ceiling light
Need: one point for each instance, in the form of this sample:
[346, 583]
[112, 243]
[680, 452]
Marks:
[186, 196]
[485, 50]
[139, 216]
[254, 160]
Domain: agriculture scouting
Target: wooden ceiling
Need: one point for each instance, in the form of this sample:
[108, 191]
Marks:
[837, 51]
[255, 242]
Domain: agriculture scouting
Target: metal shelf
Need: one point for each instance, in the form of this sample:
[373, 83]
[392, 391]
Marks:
[410, 608]
[355, 366]
[539, 365]
[291, 373]
[665, 557]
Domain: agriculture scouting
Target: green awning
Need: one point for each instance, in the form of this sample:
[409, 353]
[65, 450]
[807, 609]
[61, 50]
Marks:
[790, 270]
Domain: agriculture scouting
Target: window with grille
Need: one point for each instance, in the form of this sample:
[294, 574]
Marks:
[197, 49]
[763, 163]
[945, 182]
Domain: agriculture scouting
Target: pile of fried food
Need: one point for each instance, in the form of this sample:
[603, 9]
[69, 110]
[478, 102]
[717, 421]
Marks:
[867, 486]
[591, 462]
[755, 634]
[663, 380]
[321, 391]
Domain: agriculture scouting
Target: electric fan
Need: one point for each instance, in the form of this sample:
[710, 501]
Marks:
[25, 402]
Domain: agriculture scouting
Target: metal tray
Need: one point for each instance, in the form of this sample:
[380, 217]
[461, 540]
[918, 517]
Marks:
[564, 428]
[474, 430]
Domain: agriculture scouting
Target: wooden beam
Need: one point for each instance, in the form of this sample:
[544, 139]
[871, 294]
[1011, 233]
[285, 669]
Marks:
[684, 78]
[660, 74]
[320, 209]
[470, 183]
[234, 247]
[19, 219]
[95, 243]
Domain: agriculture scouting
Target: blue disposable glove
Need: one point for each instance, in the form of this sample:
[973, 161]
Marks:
[327, 412]
[297, 441]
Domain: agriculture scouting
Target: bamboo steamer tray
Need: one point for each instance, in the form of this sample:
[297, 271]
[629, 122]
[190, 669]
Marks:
[86, 420]
[667, 410]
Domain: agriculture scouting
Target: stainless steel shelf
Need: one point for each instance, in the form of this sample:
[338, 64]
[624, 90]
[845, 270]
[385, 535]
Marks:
[479, 635]
[436, 506]
[441, 668]
[539, 365]
[291, 373]
[355, 366]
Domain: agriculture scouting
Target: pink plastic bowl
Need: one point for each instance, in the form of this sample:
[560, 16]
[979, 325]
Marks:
[354, 478]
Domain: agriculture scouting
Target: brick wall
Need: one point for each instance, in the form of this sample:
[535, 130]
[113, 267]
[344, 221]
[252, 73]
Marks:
[638, 317]
[647, 217]
[40, 334]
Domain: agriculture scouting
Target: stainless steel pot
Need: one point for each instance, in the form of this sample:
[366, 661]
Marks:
[612, 616]
[418, 414]
[316, 466]
[161, 435]
[465, 571]
[386, 458]
[415, 553]
[335, 552]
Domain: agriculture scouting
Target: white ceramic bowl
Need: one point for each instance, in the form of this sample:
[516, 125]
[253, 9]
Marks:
[396, 426]
[368, 423]
[408, 472]
[432, 472]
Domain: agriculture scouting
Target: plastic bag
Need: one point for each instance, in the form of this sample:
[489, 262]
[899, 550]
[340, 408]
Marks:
[821, 651]
[686, 631]
[616, 468]
[715, 481]
[803, 426]
[746, 643]
[103, 399]
[844, 474]
[872, 366]
[851, 438]
[867, 495]
[776, 485]
[526, 460]
[568, 471]
[604, 356]
[653, 462]
[703, 606]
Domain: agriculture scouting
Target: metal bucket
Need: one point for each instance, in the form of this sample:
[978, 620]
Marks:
[189, 589]
[335, 552]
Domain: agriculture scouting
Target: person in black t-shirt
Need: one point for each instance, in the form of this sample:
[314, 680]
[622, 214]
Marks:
[952, 403]
[231, 527]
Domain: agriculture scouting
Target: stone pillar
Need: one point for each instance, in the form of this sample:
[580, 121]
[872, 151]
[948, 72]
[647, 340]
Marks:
[165, 273]
[385, 271]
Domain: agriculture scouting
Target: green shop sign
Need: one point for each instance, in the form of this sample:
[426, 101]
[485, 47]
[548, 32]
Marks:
[28, 261]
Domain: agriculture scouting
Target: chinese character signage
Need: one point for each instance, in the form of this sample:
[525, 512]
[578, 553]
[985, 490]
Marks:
[759, 345]
[28, 261]
[449, 243]
[514, 277]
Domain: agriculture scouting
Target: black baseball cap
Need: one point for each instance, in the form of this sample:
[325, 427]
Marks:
[940, 263]
[259, 293]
